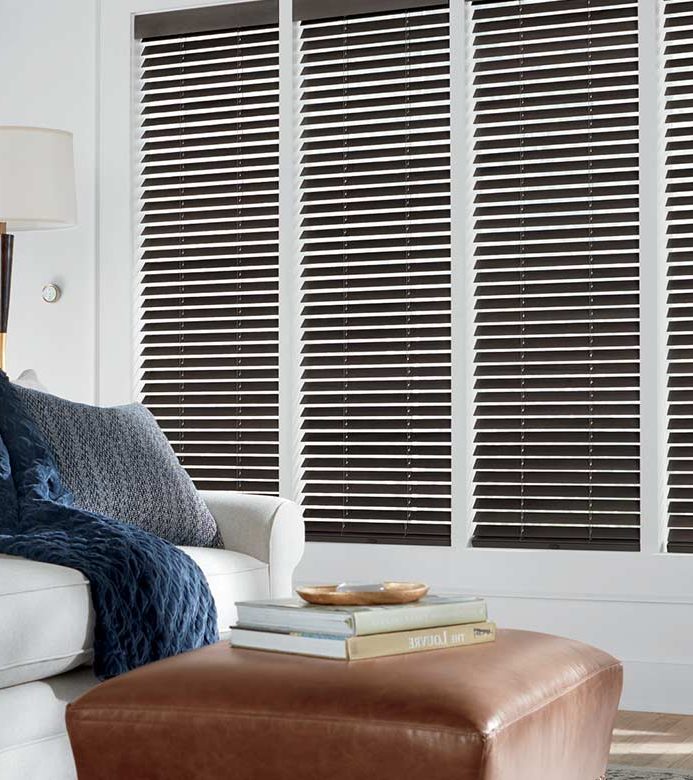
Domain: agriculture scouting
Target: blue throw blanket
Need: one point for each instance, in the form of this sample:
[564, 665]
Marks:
[150, 599]
[8, 496]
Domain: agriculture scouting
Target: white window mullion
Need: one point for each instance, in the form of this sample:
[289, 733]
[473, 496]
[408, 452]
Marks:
[652, 285]
[289, 265]
[462, 266]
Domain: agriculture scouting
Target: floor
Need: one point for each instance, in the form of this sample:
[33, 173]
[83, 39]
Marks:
[654, 740]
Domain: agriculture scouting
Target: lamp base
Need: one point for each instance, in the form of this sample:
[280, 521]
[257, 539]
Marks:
[6, 247]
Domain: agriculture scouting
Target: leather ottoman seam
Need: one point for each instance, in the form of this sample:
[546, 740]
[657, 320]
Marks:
[489, 734]
[90, 714]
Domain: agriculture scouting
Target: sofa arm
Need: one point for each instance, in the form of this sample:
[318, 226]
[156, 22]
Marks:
[264, 527]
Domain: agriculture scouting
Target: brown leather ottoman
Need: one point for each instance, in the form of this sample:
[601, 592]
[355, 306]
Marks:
[527, 707]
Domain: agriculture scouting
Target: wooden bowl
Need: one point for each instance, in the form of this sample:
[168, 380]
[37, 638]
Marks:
[394, 593]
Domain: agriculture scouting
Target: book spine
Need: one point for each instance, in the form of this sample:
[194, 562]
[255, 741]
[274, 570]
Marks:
[406, 618]
[374, 646]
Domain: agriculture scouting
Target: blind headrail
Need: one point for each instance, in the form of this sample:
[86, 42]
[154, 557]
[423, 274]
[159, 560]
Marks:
[309, 10]
[189, 21]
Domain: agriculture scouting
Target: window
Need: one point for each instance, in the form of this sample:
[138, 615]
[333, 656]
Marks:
[554, 276]
[208, 337]
[375, 270]
[555, 251]
[678, 95]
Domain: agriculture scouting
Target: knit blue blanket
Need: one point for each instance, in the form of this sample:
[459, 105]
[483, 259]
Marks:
[150, 599]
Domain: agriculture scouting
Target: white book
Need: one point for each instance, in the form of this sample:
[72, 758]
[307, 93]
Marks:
[362, 647]
[295, 615]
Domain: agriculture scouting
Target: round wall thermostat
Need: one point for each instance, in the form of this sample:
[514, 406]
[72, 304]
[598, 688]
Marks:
[50, 293]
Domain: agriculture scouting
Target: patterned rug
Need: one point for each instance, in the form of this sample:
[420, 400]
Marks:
[637, 773]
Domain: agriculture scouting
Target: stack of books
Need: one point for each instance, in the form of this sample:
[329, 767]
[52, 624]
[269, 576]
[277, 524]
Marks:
[351, 633]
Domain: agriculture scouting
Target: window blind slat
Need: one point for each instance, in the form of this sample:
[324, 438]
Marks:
[208, 285]
[555, 217]
[375, 242]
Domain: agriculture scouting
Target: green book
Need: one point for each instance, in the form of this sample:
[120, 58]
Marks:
[295, 615]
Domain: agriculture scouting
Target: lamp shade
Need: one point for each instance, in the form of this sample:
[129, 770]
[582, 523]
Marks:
[37, 178]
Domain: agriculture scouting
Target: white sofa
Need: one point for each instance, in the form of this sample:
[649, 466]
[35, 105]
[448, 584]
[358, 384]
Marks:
[46, 624]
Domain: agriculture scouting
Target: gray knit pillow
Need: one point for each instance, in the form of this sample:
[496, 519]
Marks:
[117, 462]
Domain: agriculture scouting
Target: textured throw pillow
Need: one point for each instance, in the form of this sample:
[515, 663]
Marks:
[117, 462]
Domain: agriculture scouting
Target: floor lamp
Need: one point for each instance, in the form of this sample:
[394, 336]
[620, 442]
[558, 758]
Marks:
[37, 192]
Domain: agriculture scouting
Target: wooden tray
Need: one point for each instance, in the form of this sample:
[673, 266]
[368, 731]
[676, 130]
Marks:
[394, 593]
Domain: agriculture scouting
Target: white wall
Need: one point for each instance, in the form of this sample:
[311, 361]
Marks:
[637, 606]
[48, 67]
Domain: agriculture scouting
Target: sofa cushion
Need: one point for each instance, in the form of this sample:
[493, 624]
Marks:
[117, 462]
[231, 577]
[38, 712]
[33, 741]
[47, 618]
[49, 759]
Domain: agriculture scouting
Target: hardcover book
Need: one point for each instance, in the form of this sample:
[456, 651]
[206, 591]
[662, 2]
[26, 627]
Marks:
[287, 615]
[361, 647]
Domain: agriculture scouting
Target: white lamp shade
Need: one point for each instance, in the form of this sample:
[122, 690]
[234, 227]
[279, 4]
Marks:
[37, 178]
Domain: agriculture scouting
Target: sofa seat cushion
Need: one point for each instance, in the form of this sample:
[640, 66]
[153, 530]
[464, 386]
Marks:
[231, 577]
[47, 617]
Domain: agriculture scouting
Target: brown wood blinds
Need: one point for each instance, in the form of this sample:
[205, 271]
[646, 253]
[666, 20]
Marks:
[208, 232]
[678, 106]
[554, 116]
[375, 242]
